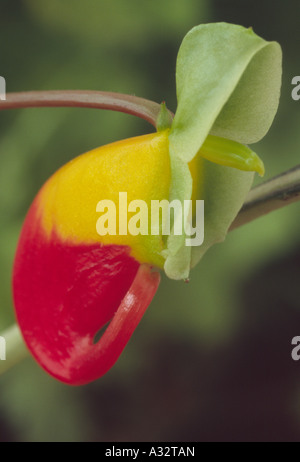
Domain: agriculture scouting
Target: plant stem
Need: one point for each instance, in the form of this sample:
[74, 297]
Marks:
[140, 107]
[269, 196]
[15, 348]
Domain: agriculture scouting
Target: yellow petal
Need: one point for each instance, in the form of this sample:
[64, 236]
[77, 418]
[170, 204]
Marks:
[138, 166]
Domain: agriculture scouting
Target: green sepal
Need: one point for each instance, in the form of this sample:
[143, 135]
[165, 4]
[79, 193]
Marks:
[228, 85]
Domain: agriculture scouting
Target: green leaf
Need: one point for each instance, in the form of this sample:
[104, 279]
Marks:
[228, 82]
[177, 255]
[223, 190]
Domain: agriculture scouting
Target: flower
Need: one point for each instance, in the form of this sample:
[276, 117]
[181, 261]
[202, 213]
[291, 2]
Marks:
[69, 281]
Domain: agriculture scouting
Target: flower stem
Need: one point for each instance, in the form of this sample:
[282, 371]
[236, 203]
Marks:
[269, 196]
[140, 107]
[15, 348]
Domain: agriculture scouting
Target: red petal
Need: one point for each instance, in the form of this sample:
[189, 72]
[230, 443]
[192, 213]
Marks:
[64, 294]
[94, 361]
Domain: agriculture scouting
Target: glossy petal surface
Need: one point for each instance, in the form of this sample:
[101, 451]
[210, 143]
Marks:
[64, 294]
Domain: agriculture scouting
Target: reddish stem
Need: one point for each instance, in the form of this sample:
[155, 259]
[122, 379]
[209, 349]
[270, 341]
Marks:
[140, 107]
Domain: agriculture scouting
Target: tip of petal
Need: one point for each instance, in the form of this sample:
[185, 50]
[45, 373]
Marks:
[94, 360]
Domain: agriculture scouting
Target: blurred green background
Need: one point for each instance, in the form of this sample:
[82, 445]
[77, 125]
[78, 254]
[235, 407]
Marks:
[211, 360]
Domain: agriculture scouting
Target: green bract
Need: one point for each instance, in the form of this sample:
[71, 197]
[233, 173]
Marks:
[228, 85]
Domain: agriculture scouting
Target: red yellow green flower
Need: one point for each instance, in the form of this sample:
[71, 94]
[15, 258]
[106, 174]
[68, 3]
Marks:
[69, 282]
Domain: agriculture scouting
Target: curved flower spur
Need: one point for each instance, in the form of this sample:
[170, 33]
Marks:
[69, 281]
